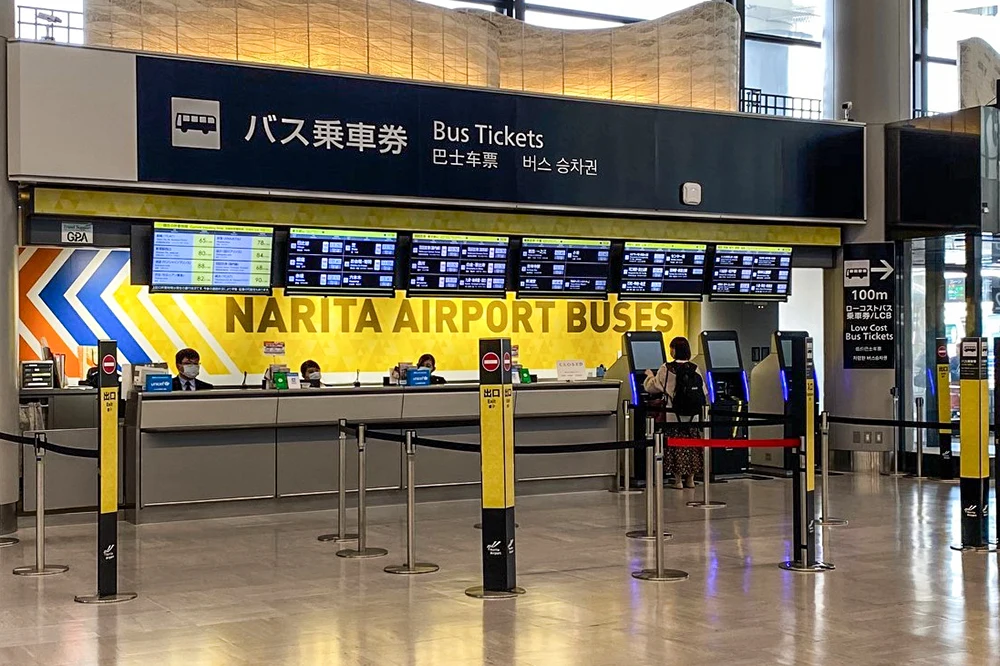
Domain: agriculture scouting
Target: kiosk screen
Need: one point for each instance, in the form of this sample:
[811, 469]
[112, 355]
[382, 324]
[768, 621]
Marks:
[786, 353]
[336, 261]
[724, 354]
[647, 355]
[211, 258]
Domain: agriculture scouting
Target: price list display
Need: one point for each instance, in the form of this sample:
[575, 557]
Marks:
[337, 261]
[458, 265]
[211, 258]
[663, 270]
[751, 272]
[554, 267]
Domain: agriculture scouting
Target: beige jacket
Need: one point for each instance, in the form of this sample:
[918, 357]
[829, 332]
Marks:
[664, 383]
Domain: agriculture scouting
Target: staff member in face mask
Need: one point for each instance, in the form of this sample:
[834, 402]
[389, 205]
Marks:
[188, 363]
[427, 361]
[311, 374]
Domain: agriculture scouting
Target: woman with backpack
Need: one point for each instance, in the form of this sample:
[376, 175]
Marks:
[683, 387]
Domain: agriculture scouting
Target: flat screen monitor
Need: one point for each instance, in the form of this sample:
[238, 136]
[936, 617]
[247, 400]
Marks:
[210, 258]
[751, 272]
[724, 355]
[647, 355]
[452, 265]
[663, 270]
[564, 268]
[338, 261]
[786, 353]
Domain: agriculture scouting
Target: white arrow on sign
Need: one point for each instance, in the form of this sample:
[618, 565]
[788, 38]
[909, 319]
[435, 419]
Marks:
[885, 269]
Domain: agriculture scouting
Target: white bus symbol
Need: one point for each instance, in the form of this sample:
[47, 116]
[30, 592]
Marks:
[203, 124]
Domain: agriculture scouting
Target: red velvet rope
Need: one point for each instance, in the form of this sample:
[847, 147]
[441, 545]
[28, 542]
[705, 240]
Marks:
[733, 443]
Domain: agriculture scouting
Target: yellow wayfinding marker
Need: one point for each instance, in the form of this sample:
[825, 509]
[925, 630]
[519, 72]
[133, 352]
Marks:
[496, 428]
[974, 461]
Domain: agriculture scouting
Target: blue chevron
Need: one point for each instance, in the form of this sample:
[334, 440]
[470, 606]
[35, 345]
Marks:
[90, 296]
[54, 296]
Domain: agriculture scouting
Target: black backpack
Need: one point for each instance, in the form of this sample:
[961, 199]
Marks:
[689, 390]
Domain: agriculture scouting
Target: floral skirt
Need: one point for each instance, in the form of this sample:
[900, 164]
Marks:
[681, 460]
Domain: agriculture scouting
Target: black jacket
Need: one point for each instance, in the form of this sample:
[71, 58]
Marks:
[198, 385]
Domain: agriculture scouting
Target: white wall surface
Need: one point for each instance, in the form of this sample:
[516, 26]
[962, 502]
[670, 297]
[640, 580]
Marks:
[804, 312]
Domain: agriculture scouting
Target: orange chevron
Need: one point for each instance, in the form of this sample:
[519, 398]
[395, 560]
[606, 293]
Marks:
[32, 319]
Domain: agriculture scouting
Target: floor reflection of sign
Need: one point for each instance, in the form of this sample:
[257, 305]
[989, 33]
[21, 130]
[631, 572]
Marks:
[869, 306]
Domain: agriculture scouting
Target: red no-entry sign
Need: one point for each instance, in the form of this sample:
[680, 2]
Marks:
[490, 362]
[506, 361]
[108, 364]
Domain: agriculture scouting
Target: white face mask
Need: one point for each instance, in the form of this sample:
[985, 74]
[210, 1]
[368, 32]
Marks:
[190, 370]
[314, 376]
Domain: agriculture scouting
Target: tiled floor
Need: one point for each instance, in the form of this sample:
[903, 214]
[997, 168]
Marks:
[264, 591]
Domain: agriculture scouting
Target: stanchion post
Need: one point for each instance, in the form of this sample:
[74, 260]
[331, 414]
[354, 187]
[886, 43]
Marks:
[824, 465]
[341, 534]
[107, 477]
[894, 392]
[40, 568]
[919, 413]
[802, 403]
[623, 457]
[658, 573]
[411, 566]
[649, 533]
[706, 492]
[363, 550]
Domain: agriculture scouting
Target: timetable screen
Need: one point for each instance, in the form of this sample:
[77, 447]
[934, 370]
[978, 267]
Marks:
[211, 258]
[337, 261]
[663, 270]
[751, 272]
[571, 268]
[458, 265]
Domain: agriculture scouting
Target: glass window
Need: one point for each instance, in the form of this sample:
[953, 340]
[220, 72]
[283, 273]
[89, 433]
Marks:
[942, 87]
[949, 22]
[457, 4]
[779, 69]
[797, 19]
[642, 9]
[548, 20]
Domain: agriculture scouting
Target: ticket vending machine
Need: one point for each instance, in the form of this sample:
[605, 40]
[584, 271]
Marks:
[728, 388]
[641, 351]
[771, 386]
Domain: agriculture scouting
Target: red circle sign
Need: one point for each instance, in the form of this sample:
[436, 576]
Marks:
[942, 352]
[490, 362]
[506, 361]
[108, 364]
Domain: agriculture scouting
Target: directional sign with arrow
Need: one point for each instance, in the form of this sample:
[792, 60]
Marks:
[869, 306]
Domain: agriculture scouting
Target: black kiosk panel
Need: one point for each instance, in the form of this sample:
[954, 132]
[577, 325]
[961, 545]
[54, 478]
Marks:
[728, 389]
[645, 351]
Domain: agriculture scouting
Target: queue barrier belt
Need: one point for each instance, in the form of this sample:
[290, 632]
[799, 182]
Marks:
[892, 423]
[733, 443]
[50, 446]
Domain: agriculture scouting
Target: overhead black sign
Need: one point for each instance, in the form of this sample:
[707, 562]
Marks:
[237, 126]
[869, 306]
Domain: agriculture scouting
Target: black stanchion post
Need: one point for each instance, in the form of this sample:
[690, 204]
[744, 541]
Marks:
[918, 412]
[974, 461]
[496, 433]
[801, 403]
[623, 457]
[411, 566]
[658, 573]
[341, 534]
[649, 533]
[40, 568]
[107, 476]
[363, 551]
[943, 387]
[824, 465]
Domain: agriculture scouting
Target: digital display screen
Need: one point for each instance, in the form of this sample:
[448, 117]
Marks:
[786, 352]
[663, 270]
[647, 355]
[723, 354]
[459, 265]
[211, 258]
[554, 267]
[337, 261]
[751, 272]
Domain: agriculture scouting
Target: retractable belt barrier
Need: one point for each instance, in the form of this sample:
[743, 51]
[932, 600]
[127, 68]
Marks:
[71, 451]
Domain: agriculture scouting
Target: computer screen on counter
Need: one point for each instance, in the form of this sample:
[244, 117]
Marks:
[564, 267]
[339, 261]
[647, 355]
[459, 265]
[724, 354]
[211, 258]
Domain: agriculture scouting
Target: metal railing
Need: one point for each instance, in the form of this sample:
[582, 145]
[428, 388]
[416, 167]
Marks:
[49, 25]
[755, 100]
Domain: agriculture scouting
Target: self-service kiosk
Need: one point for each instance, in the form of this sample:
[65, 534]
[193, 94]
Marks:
[771, 392]
[641, 351]
[728, 388]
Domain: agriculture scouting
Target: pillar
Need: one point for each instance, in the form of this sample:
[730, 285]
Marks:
[869, 55]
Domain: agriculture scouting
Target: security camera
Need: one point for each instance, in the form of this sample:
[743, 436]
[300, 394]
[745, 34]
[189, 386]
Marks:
[50, 18]
[847, 107]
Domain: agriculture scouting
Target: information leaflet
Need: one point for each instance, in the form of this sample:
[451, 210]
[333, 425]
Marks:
[663, 270]
[211, 258]
[751, 272]
[467, 265]
[336, 261]
[869, 306]
[564, 267]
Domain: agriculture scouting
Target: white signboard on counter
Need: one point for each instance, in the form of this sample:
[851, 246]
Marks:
[571, 371]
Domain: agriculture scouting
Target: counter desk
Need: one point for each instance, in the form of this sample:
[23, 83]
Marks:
[256, 444]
